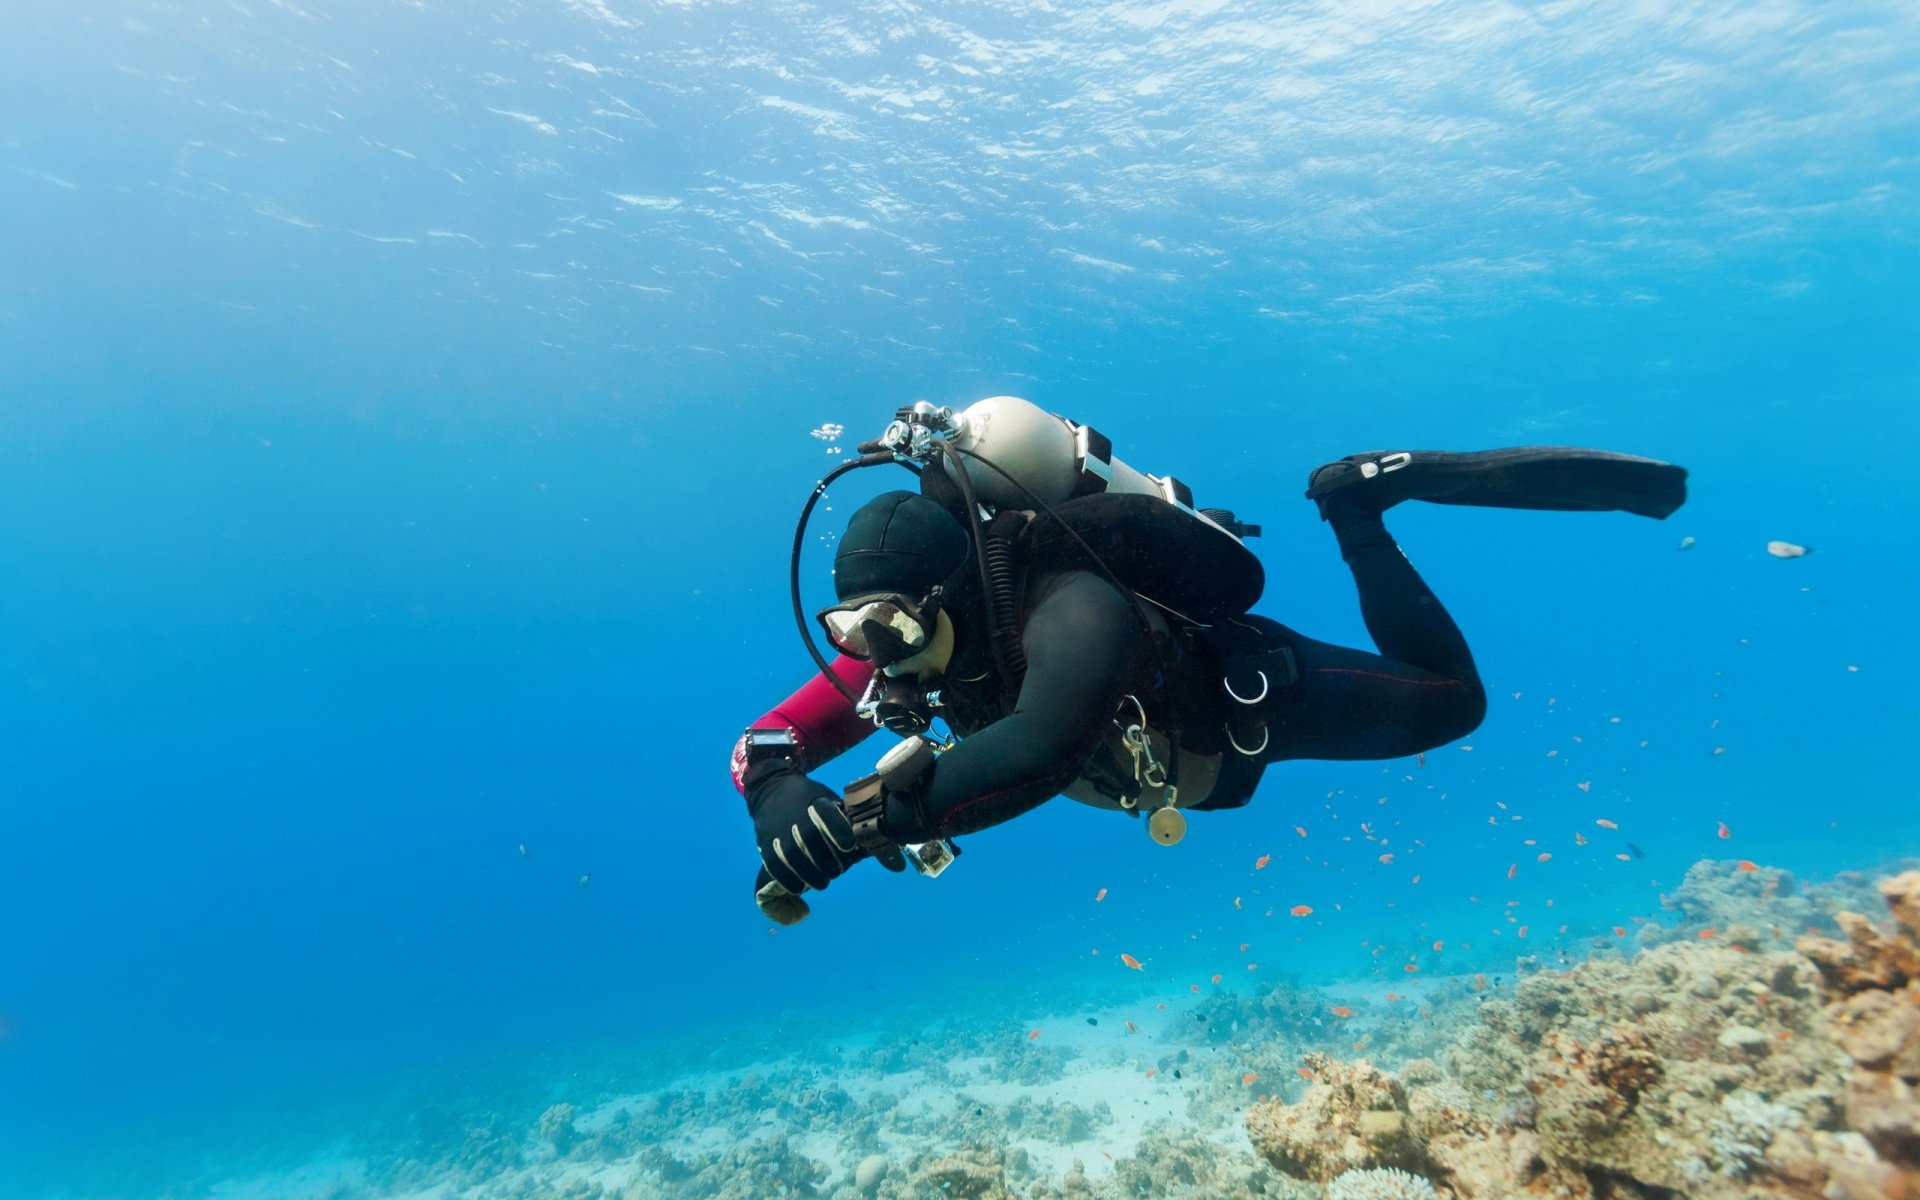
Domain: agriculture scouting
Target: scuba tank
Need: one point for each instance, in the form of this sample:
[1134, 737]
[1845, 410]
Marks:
[1017, 455]
[1100, 514]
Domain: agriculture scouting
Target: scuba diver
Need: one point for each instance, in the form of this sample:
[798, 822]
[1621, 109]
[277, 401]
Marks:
[1083, 630]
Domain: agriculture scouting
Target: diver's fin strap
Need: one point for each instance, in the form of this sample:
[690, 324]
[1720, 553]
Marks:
[1253, 671]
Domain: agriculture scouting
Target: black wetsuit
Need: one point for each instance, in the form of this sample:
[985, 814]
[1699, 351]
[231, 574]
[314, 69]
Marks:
[1086, 651]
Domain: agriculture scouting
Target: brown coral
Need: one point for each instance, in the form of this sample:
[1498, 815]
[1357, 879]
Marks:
[1354, 1115]
[1711, 1071]
[977, 1174]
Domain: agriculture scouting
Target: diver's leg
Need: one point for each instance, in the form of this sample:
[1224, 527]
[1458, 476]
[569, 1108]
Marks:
[1404, 617]
[1350, 704]
[1421, 691]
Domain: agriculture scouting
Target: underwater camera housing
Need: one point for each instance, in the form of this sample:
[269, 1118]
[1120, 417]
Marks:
[931, 858]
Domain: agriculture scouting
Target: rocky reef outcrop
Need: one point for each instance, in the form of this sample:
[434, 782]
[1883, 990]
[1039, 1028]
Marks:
[1716, 1065]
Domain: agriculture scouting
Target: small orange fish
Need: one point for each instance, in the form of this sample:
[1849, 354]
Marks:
[1132, 962]
[1410, 968]
[1033, 1035]
[1439, 946]
[1341, 1010]
[1624, 857]
[1579, 839]
[1236, 902]
[1161, 1007]
[1301, 830]
[1301, 910]
[1152, 1071]
[1215, 979]
[1523, 931]
[1479, 983]
[1100, 895]
[1131, 1028]
[1193, 987]
[1724, 831]
[1543, 856]
[1303, 1073]
[1512, 870]
[1359, 1045]
[1603, 823]
[1248, 1078]
[1253, 966]
[1586, 786]
[1260, 864]
[1746, 865]
[1393, 995]
[1619, 931]
[1709, 933]
[1243, 947]
[1387, 858]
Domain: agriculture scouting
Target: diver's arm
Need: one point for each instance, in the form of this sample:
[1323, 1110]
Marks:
[1083, 648]
[823, 720]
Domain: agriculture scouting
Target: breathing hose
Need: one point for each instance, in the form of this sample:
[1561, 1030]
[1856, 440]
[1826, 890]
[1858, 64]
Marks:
[871, 459]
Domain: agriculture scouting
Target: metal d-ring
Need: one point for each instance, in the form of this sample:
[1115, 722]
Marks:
[1227, 683]
[1265, 737]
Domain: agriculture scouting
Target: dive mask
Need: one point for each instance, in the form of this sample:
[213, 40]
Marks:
[882, 628]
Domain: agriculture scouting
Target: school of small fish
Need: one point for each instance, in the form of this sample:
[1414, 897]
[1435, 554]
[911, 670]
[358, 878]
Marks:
[1377, 832]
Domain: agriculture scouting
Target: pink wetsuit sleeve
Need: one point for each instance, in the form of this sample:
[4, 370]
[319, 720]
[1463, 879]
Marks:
[820, 716]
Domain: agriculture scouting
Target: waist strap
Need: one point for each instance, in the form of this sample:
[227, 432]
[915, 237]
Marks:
[1253, 669]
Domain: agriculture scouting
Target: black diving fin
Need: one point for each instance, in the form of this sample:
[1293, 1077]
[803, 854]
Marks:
[1554, 478]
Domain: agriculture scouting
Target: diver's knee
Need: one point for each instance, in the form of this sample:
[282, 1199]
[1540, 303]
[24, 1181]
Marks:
[1463, 715]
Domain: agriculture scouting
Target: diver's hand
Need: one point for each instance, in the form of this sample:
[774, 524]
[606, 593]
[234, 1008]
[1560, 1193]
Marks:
[804, 836]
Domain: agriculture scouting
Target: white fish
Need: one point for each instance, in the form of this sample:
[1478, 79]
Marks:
[524, 852]
[1686, 543]
[1786, 550]
[585, 879]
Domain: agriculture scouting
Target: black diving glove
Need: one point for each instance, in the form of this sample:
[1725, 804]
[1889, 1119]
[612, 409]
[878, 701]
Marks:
[804, 836]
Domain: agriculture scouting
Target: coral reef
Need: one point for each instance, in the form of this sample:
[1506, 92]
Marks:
[1174, 1163]
[556, 1128]
[768, 1167]
[1761, 1044]
[1714, 1067]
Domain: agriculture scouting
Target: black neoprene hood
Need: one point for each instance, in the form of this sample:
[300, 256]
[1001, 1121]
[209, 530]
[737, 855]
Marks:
[897, 542]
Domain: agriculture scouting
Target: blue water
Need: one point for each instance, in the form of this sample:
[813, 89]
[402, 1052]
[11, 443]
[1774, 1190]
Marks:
[405, 409]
